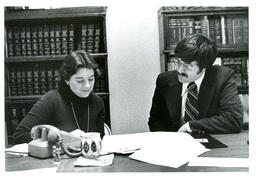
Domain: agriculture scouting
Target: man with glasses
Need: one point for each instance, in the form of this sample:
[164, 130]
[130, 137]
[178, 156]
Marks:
[198, 96]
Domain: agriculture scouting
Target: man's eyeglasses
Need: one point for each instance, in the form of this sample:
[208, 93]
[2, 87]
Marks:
[177, 63]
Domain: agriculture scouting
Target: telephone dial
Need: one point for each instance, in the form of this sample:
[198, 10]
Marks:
[46, 136]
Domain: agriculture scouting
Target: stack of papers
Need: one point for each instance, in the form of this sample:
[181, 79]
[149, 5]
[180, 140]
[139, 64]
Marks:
[169, 149]
[19, 149]
[122, 144]
[161, 148]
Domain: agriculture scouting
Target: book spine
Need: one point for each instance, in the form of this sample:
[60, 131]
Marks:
[102, 80]
[19, 80]
[43, 81]
[187, 27]
[56, 77]
[50, 78]
[183, 28]
[10, 41]
[244, 70]
[229, 30]
[29, 83]
[96, 86]
[179, 29]
[13, 81]
[212, 29]
[36, 84]
[17, 43]
[13, 117]
[238, 29]
[28, 41]
[64, 39]
[97, 39]
[22, 111]
[205, 26]
[40, 40]
[46, 40]
[23, 80]
[90, 38]
[83, 36]
[238, 70]
[52, 40]
[71, 38]
[245, 30]
[34, 40]
[218, 31]
[57, 40]
[23, 41]
[223, 29]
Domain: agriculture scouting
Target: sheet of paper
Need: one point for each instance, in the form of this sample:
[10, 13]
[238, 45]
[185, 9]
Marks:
[105, 160]
[41, 170]
[19, 148]
[125, 143]
[219, 162]
[169, 149]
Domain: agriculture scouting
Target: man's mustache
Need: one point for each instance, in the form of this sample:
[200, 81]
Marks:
[183, 74]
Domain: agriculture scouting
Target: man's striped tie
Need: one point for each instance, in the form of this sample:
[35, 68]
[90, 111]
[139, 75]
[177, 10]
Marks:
[191, 108]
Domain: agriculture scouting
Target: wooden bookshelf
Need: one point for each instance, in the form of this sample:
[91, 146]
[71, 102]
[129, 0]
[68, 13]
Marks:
[55, 33]
[177, 22]
[53, 58]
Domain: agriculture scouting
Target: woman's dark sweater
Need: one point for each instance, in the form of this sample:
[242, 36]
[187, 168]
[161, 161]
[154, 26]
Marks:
[54, 108]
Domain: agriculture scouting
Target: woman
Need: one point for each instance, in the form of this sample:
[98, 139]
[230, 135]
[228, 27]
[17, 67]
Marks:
[73, 105]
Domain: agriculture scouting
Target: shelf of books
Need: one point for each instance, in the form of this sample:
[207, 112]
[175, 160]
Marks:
[227, 26]
[36, 42]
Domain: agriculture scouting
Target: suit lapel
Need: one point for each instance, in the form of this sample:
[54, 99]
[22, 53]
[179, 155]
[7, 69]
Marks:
[206, 94]
[173, 98]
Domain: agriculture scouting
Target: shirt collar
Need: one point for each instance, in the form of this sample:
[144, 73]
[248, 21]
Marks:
[198, 83]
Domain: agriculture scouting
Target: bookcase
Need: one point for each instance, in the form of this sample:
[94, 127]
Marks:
[36, 42]
[227, 26]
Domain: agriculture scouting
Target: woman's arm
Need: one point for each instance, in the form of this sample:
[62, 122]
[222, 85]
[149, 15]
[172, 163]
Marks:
[40, 113]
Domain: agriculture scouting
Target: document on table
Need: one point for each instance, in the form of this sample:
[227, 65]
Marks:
[41, 170]
[219, 162]
[105, 160]
[163, 148]
[19, 149]
[123, 144]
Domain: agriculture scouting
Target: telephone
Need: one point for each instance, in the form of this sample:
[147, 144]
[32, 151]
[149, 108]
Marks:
[46, 136]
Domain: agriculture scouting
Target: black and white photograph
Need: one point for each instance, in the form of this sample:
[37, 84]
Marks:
[128, 87]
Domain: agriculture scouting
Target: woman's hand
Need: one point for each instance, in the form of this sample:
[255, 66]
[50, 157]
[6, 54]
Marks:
[45, 132]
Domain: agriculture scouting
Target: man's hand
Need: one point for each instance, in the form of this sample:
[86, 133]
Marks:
[185, 128]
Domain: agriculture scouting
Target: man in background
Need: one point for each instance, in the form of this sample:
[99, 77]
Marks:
[198, 96]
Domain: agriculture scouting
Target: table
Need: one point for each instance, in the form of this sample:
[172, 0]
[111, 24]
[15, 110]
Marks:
[237, 148]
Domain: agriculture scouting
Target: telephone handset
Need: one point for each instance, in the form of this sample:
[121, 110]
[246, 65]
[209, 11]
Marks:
[46, 136]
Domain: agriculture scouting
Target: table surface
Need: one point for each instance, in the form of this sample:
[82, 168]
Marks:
[237, 148]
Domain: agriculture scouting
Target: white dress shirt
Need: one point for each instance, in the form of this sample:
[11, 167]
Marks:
[184, 94]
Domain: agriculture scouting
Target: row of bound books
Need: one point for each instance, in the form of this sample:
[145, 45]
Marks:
[238, 64]
[52, 39]
[16, 113]
[240, 67]
[37, 79]
[225, 30]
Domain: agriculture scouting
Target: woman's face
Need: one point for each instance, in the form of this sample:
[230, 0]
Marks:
[82, 82]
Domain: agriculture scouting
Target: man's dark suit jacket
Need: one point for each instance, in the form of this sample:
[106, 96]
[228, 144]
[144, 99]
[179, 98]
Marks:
[220, 108]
